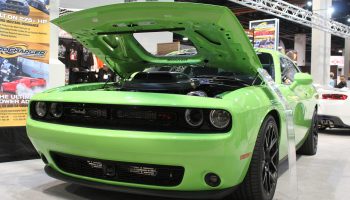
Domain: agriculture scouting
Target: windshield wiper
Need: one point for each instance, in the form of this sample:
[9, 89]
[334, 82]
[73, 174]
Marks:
[223, 78]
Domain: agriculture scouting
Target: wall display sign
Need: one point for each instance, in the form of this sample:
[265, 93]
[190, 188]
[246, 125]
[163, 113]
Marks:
[266, 33]
[250, 34]
[24, 56]
[337, 60]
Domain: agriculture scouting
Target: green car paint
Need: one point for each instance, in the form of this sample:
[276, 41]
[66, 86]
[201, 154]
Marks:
[214, 30]
[301, 97]
[226, 154]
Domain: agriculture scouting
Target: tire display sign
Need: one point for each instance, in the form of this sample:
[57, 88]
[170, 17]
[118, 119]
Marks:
[24, 56]
[266, 33]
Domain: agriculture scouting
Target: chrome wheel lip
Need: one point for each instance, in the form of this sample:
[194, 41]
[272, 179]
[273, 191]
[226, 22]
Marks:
[270, 159]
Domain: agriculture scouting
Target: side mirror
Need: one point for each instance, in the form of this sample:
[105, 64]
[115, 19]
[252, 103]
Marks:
[301, 79]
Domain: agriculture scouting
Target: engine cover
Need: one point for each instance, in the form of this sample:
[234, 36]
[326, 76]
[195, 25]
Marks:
[162, 82]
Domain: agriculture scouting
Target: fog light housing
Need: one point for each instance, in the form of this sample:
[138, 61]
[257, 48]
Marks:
[212, 179]
[40, 109]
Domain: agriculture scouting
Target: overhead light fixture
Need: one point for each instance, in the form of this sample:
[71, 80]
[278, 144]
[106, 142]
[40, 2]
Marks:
[185, 39]
[340, 51]
[309, 3]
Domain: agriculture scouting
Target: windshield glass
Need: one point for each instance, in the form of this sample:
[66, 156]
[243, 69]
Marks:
[165, 44]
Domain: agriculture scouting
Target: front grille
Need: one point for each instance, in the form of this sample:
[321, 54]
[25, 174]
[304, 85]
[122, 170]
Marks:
[127, 117]
[148, 174]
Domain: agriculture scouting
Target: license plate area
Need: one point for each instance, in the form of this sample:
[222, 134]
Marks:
[140, 173]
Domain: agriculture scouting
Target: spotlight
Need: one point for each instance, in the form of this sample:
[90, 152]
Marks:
[185, 39]
[348, 19]
[330, 10]
[309, 3]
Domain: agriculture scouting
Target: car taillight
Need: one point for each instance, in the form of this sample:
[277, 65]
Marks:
[334, 96]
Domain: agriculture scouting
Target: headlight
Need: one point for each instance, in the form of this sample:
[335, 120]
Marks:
[194, 117]
[56, 110]
[41, 109]
[219, 118]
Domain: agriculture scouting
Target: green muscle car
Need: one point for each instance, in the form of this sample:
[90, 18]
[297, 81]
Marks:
[198, 125]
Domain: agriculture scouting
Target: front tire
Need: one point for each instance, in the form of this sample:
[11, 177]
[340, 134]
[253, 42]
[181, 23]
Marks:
[261, 179]
[310, 145]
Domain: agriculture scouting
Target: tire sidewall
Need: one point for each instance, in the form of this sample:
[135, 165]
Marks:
[314, 125]
[268, 121]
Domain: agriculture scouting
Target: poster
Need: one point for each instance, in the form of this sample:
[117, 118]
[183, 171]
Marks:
[24, 56]
[250, 34]
[266, 33]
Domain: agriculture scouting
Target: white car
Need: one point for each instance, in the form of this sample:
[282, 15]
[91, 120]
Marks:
[333, 107]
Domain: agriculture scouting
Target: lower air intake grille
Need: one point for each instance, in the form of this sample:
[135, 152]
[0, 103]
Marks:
[148, 174]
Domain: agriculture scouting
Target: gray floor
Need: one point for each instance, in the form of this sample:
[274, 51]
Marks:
[325, 176]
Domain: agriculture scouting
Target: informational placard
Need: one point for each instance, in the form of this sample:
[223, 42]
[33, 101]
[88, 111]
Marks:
[266, 33]
[24, 56]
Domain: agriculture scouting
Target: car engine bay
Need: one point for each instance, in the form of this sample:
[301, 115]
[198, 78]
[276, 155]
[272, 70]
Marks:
[180, 83]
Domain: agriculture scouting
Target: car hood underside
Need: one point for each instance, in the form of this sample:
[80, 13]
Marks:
[214, 30]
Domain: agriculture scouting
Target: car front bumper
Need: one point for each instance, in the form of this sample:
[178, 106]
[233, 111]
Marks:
[198, 154]
[209, 194]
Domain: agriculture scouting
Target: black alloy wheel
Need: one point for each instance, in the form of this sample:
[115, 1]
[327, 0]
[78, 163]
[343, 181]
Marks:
[310, 145]
[314, 131]
[270, 161]
[260, 181]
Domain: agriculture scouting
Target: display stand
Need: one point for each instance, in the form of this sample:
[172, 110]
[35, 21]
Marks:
[287, 187]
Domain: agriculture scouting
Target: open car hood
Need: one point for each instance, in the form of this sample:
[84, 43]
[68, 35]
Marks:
[214, 30]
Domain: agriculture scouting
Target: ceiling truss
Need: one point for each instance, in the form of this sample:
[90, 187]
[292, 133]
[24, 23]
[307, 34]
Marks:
[296, 14]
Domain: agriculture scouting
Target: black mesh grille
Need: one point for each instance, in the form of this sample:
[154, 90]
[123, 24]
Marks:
[125, 117]
[148, 174]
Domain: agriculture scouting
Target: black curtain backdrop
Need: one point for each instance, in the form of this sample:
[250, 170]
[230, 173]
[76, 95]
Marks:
[15, 145]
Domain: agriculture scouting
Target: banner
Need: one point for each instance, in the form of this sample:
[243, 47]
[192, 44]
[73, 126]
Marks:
[250, 34]
[266, 33]
[337, 60]
[24, 56]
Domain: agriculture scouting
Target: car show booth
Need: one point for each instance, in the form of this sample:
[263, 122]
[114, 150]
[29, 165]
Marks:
[137, 99]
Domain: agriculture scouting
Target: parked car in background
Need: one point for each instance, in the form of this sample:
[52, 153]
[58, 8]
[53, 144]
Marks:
[334, 107]
[28, 82]
[18, 6]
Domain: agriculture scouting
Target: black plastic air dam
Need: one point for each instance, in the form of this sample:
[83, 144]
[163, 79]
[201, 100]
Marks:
[205, 194]
[139, 173]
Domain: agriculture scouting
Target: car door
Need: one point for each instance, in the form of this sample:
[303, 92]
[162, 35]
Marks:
[297, 98]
